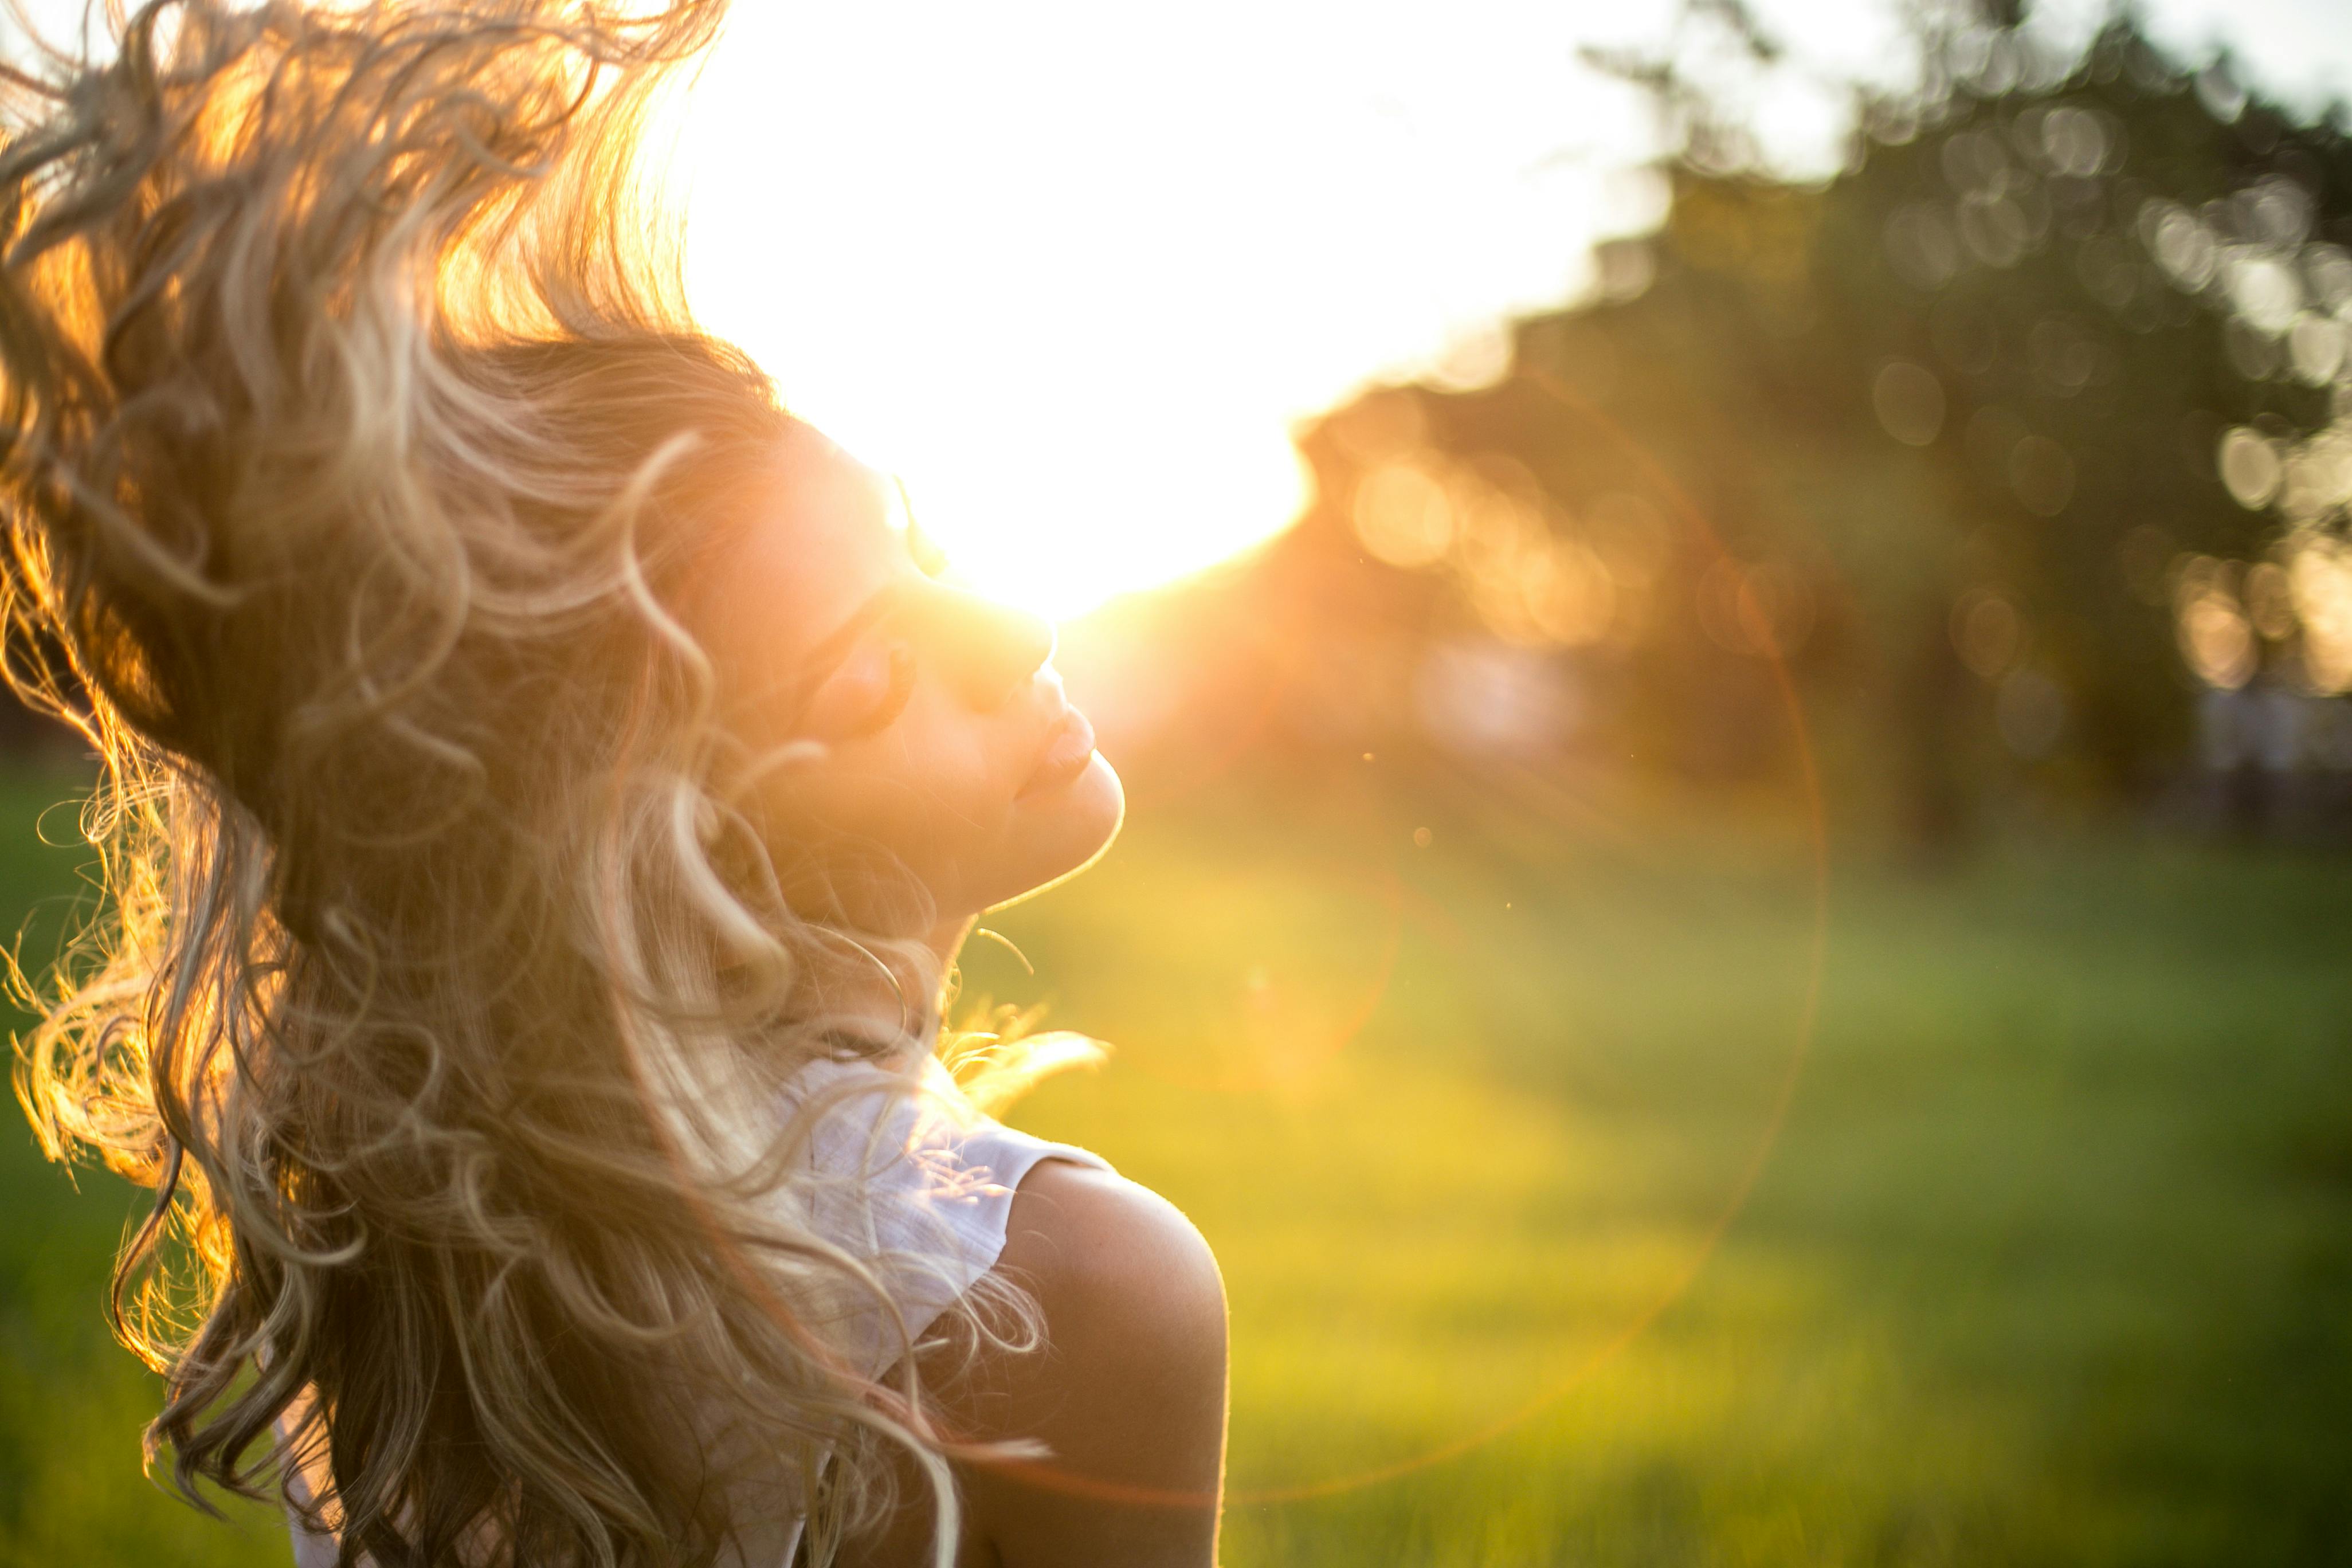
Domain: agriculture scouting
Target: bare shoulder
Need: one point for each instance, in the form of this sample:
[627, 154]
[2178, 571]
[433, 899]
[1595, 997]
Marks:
[1128, 1392]
[1126, 1396]
[1103, 1255]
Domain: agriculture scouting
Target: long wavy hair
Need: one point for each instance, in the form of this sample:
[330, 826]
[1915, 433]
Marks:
[357, 450]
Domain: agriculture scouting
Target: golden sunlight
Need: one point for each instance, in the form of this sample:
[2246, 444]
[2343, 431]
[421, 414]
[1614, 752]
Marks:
[1047, 483]
[1075, 274]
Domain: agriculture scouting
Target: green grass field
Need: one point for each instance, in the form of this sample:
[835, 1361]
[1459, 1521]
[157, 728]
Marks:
[2049, 1262]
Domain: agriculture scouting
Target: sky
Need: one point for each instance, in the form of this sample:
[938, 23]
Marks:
[1076, 272]
[2299, 49]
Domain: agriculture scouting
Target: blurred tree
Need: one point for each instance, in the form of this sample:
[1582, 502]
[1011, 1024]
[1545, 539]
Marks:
[2025, 426]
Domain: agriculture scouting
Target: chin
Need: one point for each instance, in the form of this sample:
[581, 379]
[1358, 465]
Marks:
[1067, 830]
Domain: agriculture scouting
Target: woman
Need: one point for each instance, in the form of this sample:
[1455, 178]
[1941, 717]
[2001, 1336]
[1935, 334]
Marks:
[542, 798]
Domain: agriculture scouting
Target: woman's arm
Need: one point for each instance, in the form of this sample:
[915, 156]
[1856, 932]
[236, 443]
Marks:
[1128, 1392]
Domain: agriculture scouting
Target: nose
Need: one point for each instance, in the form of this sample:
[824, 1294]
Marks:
[993, 649]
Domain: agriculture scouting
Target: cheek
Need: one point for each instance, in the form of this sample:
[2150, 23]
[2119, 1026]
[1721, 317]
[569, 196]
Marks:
[935, 791]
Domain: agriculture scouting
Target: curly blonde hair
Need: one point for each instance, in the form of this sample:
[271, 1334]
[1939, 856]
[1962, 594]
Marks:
[358, 446]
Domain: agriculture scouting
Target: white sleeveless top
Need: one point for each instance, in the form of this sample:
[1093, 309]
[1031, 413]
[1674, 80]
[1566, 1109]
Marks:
[918, 1187]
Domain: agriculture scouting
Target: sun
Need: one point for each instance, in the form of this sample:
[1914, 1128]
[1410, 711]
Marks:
[1064, 435]
[1042, 496]
[1053, 472]
[1075, 272]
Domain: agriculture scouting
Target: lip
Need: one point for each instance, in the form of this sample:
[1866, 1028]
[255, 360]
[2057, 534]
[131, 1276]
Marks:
[1069, 747]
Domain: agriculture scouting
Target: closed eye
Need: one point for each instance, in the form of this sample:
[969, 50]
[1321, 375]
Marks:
[865, 694]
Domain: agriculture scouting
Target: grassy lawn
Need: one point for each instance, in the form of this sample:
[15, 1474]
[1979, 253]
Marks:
[2049, 1259]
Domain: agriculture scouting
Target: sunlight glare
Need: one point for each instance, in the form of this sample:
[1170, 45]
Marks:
[1075, 272]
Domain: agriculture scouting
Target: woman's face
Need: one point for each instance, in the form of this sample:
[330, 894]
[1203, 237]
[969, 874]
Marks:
[949, 748]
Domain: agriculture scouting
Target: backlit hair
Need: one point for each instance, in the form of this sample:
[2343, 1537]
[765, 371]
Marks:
[357, 447]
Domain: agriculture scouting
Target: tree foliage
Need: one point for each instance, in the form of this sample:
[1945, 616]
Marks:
[2009, 438]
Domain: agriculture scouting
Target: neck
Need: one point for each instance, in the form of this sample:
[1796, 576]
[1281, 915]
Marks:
[859, 995]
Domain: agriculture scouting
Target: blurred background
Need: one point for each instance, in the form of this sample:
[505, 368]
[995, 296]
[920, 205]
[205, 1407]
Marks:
[1728, 630]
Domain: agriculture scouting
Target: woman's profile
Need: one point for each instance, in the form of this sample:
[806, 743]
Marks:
[543, 792]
